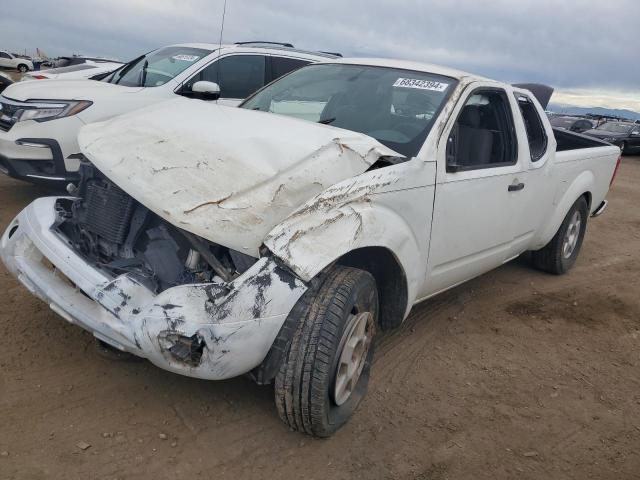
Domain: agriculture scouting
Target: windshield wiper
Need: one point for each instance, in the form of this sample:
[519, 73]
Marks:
[327, 121]
[143, 74]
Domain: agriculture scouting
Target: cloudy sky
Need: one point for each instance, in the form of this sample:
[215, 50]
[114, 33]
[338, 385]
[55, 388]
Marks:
[588, 49]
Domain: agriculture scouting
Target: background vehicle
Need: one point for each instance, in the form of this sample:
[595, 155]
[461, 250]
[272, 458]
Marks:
[4, 82]
[80, 69]
[72, 60]
[573, 124]
[625, 135]
[13, 62]
[40, 120]
[220, 241]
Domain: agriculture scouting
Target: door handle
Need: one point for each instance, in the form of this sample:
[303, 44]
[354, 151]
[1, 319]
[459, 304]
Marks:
[514, 187]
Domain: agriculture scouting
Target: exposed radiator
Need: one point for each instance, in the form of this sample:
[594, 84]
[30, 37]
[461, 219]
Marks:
[108, 212]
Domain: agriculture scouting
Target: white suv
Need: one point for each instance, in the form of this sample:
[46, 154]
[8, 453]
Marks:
[39, 121]
[9, 60]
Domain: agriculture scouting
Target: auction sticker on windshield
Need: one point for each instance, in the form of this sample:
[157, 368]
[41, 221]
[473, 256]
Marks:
[186, 58]
[421, 84]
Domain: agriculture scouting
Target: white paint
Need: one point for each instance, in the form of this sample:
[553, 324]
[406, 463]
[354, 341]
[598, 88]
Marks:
[193, 164]
[68, 73]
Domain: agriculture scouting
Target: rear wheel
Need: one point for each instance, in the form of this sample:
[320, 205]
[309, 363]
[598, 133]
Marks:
[559, 255]
[325, 371]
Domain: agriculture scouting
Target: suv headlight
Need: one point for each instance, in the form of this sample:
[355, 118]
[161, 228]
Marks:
[39, 110]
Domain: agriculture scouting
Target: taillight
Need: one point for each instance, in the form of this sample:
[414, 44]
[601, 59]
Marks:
[615, 170]
[39, 77]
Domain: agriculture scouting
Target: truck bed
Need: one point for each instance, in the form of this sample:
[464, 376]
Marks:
[573, 141]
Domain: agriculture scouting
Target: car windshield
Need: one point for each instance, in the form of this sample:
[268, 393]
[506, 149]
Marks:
[396, 107]
[616, 127]
[156, 68]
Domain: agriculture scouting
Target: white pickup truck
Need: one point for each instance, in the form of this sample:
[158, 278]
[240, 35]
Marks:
[219, 241]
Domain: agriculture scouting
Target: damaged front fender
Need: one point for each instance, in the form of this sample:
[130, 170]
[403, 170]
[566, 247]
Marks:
[389, 207]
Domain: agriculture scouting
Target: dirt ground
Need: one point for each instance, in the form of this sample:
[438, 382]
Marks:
[515, 375]
[12, 74]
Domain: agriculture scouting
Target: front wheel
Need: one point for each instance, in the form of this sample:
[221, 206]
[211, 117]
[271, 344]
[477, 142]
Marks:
[22, 68]
[325, 371]
[559, 255]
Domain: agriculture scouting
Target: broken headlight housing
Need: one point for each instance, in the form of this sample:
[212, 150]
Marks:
[12, 111]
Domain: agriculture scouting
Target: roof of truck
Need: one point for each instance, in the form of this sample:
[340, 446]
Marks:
[410, 65]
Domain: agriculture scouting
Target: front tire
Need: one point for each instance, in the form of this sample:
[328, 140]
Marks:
[559, 255]
[325, 371]
[22, 68]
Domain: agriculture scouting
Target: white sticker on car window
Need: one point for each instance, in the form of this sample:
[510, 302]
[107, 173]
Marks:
[421, 84]
[186, 58]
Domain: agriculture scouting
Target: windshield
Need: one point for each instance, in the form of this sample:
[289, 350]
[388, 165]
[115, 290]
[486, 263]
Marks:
[156, 68]
[396, 107]
[616, 127]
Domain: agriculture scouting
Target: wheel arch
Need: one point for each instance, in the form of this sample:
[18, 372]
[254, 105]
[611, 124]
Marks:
[346, 236]
[390, 277]
[582, 186]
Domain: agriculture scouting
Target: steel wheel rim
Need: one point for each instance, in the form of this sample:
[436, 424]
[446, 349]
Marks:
[572, 235]
[358, 337]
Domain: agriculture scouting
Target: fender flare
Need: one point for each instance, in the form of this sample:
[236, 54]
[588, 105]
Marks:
[582, 184]
[309, 243]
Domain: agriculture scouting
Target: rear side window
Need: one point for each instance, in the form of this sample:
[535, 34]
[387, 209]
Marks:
[483, 135]
[4, 55]
[238, 75]
[536, 135]
[281, 66]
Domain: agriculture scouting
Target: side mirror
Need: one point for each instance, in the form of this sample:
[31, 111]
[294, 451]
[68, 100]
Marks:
[206, 90]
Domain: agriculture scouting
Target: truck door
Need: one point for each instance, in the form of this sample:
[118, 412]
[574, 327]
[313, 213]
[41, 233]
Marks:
[535, 202]
[478, 181]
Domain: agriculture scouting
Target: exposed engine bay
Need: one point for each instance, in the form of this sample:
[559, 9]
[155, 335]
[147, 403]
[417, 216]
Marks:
[117, 234]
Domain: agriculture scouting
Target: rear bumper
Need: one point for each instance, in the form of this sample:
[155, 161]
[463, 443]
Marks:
[232, 324]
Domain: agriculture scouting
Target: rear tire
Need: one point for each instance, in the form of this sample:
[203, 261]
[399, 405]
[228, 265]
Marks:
[325, 371]
[559, 255]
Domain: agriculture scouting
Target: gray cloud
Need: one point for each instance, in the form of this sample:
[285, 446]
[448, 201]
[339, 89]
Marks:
[571, 44]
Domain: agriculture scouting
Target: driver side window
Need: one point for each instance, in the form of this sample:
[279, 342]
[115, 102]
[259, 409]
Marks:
[484, 134]
[237, 75]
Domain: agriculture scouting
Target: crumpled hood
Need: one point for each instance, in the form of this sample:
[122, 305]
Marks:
[226, 174]
[63, 90]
